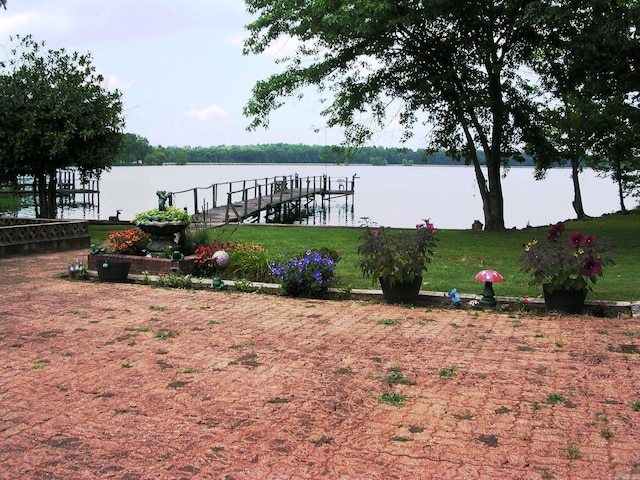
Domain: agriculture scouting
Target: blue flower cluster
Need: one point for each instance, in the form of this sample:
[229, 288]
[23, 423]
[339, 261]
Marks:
[308, 276]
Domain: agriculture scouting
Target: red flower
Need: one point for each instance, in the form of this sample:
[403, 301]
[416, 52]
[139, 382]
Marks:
[589, 240]
[592, 266]
[576, 239]
[555, 231]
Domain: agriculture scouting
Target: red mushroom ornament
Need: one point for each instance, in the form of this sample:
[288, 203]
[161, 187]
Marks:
[488, 277]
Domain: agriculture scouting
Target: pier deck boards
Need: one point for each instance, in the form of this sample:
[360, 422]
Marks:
[277, 197]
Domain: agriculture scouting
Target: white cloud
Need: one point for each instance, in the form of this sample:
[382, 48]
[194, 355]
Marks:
[113, 81]
[206, 113]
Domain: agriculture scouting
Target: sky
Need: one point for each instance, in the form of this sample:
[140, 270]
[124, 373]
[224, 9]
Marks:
[179, 66]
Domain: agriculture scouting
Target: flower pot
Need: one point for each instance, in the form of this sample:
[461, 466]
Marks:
[564, 301]
[162, 235]
[113, 270]
[400, 292]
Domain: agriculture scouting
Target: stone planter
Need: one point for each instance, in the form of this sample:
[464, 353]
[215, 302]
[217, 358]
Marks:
[564, 301]
[400, 292]
[163, 235]
[113, 270]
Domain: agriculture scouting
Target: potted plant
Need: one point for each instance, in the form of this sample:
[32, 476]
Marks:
[566, 269]
[397, 258]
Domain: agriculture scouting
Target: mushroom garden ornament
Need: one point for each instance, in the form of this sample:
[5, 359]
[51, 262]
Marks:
[489, 277]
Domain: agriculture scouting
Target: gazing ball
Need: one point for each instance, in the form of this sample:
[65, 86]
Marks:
[221, 259]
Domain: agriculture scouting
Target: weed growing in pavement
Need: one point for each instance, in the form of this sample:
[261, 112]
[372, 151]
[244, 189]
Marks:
[389, 321]
[606, 433]
[215, 322]
[635, 406]
[143, 329]
[629, 334]
[400, 438]
[39, 365]
[157, 308]
[547, 474]
[448, 372]
[573, 452]
[395, 376]
[126, 365]
[554, 398]
[559, 343]
[242, 345]
[393, 398]
[190, 370]
[165, 333]
[536, 406]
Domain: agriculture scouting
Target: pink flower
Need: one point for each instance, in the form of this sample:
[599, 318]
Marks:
[576, 239]
[376, 233]
[589, 240]
[555, 231]
[592, 266]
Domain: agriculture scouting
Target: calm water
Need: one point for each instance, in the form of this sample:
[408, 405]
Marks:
[394, 196]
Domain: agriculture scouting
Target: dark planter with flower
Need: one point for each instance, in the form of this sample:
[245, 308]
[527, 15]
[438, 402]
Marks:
[565, 269]
[113, 270]
[397, 259]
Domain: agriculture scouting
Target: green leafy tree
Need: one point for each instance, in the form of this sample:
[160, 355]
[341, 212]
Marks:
[588, 71]
[455, 62]
[55, 113]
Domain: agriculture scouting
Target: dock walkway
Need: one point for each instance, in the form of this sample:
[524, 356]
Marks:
[280, 198]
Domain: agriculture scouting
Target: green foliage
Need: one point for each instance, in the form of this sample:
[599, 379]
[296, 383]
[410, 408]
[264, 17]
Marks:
[169, 214]
[393, 398]
[193, 237]
[55, 112]
[249, 263]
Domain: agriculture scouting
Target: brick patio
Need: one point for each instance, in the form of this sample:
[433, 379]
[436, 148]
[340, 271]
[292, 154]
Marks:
[127, 381]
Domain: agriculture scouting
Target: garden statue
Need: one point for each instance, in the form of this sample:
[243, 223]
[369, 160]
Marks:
[163, 196]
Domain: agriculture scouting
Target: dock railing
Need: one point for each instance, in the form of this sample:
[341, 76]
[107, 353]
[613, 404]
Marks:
[268, 190]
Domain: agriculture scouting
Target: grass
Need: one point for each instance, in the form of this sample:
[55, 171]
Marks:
[459, 256]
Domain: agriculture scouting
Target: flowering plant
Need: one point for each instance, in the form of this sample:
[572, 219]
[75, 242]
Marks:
[396, 256]
[308, 276]
[129, 242]
[573, 264]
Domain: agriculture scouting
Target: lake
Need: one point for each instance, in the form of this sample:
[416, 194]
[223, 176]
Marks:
[396, 196]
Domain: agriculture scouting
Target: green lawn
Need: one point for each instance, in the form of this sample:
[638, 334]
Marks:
[459, 256]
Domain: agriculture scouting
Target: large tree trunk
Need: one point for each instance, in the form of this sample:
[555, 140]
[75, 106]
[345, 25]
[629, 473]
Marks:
[46, 186]
[577, 195]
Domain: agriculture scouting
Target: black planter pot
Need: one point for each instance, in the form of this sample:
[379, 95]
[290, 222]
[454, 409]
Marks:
[564, 301]
[400, 292]
[113, 270]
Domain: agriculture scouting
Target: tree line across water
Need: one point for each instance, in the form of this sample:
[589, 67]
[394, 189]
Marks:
[138, 151]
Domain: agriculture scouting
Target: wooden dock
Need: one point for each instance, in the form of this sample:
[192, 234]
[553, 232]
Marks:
[281, 199]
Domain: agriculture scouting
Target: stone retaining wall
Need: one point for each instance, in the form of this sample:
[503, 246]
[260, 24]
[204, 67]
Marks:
[20, 236]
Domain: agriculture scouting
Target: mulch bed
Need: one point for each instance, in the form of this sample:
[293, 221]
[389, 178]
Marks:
[127, 381]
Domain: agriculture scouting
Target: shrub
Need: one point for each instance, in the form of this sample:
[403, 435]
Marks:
[251, 264]
[309, 276]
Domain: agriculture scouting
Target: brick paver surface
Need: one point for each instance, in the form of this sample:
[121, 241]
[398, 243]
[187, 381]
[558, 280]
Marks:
[127, 381]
